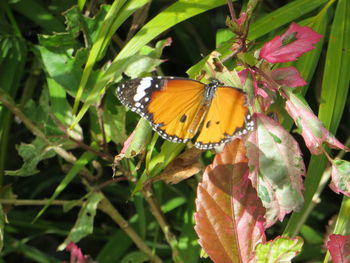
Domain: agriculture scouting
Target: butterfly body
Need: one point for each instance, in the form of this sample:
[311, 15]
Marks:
[179, 108]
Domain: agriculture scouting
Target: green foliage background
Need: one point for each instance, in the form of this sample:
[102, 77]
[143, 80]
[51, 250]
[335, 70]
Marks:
[59, 58]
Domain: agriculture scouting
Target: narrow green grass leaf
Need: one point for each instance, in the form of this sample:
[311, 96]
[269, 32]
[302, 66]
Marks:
[81, 4]
[284, 15]
[171, 16]
[42, 17]
[336, 78]
[29, 252]
[114, 18]
[79, 164]
[115, 248]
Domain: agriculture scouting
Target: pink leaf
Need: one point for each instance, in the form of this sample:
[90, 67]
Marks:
[288, 76]
[276, 168]
[312, 129]
[229, 216]
[340, 177]
[242, 18]
[292, 44]
[339, 248]
[76, 256]
[266, 100]
[127, 143]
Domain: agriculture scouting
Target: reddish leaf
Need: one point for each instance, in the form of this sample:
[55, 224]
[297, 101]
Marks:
[292, 44]
[312, 129]
[76, 256]
[281, 249]
[340, 177]
[229, 217]
[339, 248]
[288, 76]
[242, 18]
[276, 168]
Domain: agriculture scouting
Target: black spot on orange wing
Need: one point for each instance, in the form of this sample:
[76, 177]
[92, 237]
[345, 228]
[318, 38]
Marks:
[228, 112]
[207, 125]
[183, 118]
[174, 108]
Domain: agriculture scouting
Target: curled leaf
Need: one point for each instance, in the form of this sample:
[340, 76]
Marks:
[310, 127]
[182, 167]
[292, 44]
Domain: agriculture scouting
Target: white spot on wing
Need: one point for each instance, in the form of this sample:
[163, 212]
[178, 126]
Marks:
[145, 83]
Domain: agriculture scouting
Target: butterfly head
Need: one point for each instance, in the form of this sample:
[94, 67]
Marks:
[210, 89]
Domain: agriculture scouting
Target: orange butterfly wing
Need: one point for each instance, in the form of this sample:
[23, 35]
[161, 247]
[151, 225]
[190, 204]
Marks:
[177, 110]
[173, 106]
[227, 116]
[177, 107]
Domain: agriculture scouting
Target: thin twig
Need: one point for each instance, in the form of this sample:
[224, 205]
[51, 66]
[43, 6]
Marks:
[18, 202]
[158, 214]
[106, 206]
[10, 104]
[232, 10]
[81, 144]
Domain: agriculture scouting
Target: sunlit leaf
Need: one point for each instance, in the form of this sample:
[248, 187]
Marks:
[281, 249]
[296, 41]
[311, 128]
[229, 215]
[277, 167]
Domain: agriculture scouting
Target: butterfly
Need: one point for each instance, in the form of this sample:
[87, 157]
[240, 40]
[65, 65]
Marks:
[179, 108]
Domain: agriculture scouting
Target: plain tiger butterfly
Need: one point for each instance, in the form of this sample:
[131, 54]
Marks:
[179, 108]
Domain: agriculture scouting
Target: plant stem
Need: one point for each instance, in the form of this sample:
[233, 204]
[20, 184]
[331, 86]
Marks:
[17, 202]
[158, 214]
[106, 206]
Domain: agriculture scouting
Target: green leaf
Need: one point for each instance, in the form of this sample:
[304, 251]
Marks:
[142, 137]
[114, 117]
[114, 18]
[118, 243]
[60, 62]
[282, 16]
[84, 159]
[135, 257]
[42, 17]
[281, 249]
[62, 110]
[85, 222]
[29, 252]
[335, 84]
[32, 154]
[171, 16]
